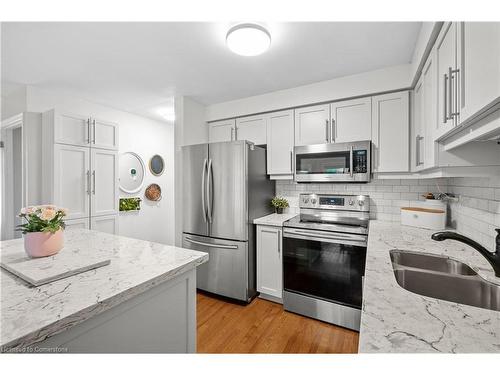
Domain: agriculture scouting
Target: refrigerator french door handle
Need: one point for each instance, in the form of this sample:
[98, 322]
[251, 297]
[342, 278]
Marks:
[203, 188]
[210, 177]
[211, 244]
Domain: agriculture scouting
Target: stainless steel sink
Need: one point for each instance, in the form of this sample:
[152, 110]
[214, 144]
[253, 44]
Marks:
[430, 262]
[447, 279]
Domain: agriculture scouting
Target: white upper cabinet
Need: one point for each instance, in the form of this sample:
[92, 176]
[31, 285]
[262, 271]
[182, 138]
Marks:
[424, 124]
[448, 86]
[221, 131]
[417, 128]
[70, 129]
[312, 125]
[252, 128]
[351, 120]
[104, 134]
[71, 180]
[104, 182]
[390, 132]
[280, 142]
[269, 261]
[429, 114]
[479, 49]
[82, 178]
[79, 130]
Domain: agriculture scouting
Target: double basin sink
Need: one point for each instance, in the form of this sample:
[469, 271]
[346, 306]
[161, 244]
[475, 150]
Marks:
[443, 278]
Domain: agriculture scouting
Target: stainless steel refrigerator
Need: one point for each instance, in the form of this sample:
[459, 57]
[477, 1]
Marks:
[225, 188]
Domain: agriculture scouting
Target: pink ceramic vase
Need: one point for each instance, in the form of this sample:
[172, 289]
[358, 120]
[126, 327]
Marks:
[43, 244]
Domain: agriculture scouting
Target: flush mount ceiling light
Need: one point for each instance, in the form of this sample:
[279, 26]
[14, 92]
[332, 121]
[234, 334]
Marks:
[248, 39]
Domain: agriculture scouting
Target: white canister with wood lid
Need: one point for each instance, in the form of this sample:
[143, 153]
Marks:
[424, 217]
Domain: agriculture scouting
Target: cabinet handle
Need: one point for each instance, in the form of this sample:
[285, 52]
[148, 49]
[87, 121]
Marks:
[291, 161]
[326, 131]
[88, 131]
[450, 93]
[93, 131]
[333, 131]
[454, 76]
[279, 241]
[445, 110]
[417, 150]
[88, 182]
[93, 182]
[232, 134]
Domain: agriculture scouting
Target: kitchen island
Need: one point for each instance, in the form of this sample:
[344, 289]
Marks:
[396, 320]
[143, 301]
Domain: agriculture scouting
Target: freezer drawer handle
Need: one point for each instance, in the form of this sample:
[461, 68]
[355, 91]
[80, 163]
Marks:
[211, 244]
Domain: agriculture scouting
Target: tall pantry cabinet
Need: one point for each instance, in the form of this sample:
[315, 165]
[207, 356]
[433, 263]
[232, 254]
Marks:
[80, 169]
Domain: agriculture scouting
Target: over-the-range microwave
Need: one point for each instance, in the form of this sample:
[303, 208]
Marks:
[333, 162]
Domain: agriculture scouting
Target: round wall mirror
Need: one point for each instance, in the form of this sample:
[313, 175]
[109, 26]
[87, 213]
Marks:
[131, 172]
[156, 165]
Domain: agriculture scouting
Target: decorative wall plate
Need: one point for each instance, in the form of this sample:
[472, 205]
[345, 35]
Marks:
[156, 165]
[153, 192]
[132, 172]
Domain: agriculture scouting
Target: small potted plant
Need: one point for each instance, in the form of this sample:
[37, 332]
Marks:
[43, 230]
[279, 203]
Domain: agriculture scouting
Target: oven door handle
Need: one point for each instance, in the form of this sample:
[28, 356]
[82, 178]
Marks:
[334, 238]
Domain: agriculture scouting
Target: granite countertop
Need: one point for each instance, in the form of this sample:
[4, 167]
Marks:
[275, 220]
[396, 320]
[30, 314]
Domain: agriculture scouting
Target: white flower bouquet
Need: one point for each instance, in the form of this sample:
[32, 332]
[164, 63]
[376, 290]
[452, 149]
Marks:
[44, 218]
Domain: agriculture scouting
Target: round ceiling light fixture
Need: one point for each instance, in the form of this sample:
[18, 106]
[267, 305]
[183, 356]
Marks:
[248, 39]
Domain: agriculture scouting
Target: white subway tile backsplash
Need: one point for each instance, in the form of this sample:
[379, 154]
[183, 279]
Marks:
[476, 214]
[401, 188]
[386, 196]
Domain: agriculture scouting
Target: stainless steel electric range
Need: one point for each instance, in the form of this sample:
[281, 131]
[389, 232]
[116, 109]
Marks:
[324, 254]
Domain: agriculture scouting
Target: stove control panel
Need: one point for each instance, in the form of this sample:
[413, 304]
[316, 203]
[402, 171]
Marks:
[335, 202]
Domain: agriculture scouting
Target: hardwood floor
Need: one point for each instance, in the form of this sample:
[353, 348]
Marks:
[264, 327]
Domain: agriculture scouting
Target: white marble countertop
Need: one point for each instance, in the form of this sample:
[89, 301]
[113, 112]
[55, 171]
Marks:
[396, 320]
[275, 220]
[30, 314]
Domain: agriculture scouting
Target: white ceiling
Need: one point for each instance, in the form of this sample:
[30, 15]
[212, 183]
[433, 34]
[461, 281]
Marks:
[139, 67]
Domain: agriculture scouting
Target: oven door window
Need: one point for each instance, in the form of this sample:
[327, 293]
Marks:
[328, 162]
[324, 270]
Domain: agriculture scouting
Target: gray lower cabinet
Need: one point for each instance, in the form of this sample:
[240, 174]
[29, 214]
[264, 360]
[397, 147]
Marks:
[160, 320]
[270, 262]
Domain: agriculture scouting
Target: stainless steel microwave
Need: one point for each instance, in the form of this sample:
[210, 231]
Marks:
[333, 162]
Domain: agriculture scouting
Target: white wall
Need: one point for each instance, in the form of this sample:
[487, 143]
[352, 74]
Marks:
[377, 81]
[190, 128]
[14, 103]
[146, 137]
